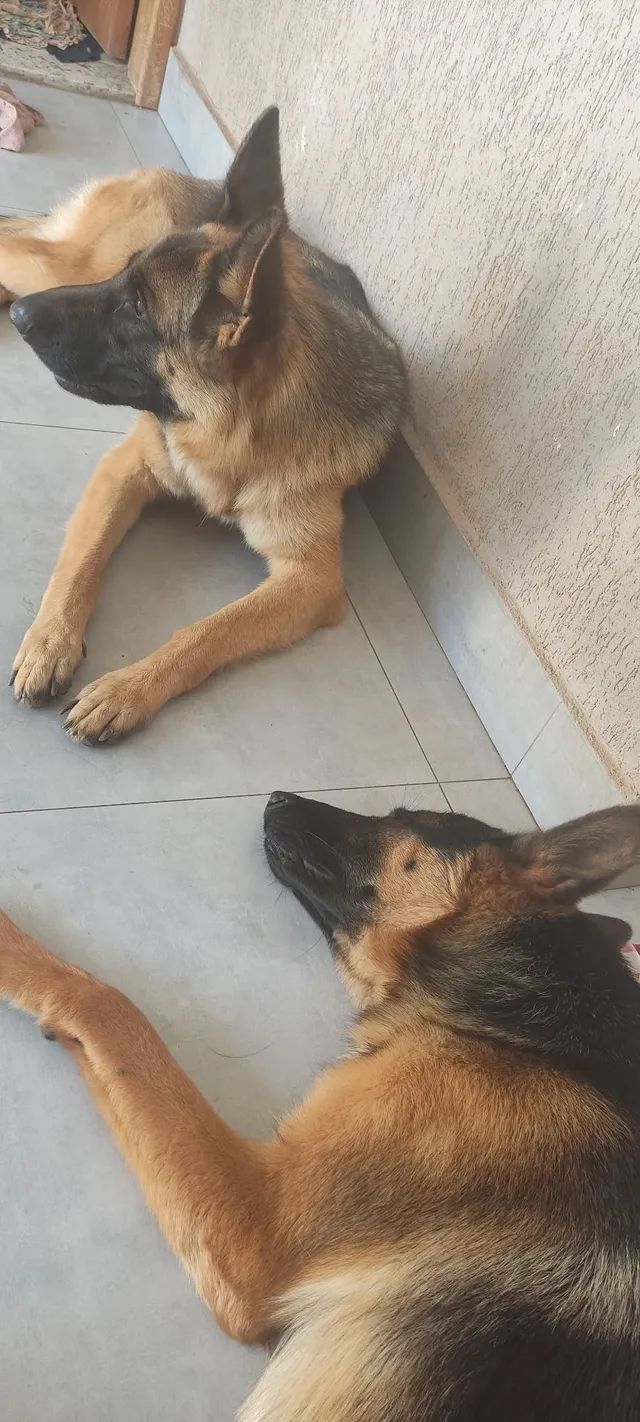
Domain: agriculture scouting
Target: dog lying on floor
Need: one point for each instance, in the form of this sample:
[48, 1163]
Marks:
[446, 1230]
[268, 390]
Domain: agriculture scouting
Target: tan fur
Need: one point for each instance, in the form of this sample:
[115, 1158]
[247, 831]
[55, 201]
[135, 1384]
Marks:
[303, 590]
[309, 1227]
[91, 236]
[254, 448]
[427, 1168]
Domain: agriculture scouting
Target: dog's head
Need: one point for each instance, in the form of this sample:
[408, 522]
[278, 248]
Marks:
[444, 902]
[194, 305]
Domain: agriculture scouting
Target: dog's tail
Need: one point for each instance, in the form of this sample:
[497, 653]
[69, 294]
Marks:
[340, 1360]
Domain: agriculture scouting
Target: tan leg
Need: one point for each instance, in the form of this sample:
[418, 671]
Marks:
[294, 599]
[212, 1193]
[117, 493]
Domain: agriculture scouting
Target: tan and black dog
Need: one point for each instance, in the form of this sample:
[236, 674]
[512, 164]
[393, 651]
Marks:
[446, 1230]
[268, 389]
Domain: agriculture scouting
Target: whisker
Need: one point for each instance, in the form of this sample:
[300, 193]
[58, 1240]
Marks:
[310, 834]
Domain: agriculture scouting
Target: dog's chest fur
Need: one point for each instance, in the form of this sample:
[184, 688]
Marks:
[213, 478]
[226, 478]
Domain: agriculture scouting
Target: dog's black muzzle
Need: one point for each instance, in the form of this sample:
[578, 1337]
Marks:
[65, 327]
[314, 849]
[78, 334]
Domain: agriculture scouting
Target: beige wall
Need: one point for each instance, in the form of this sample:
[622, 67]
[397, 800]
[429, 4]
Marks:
[478, 164]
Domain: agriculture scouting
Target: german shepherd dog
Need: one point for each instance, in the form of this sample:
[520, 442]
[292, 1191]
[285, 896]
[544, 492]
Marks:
[447, 1229]
[268, 389]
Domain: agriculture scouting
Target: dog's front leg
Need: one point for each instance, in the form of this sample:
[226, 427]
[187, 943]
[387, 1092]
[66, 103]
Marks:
[113, 500]
[213, 1194]
[296, 598]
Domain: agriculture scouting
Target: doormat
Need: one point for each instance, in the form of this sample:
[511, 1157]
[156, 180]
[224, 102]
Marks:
[40, 23]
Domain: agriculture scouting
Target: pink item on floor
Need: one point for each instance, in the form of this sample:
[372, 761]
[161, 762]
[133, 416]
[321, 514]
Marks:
[631, 955]
[16, 119]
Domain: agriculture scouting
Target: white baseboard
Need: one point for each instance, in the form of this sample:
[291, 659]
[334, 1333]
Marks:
[554, 767]
[552, 764]
[193, 128]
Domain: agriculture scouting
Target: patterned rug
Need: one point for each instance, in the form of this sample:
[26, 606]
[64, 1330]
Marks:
[39, 23]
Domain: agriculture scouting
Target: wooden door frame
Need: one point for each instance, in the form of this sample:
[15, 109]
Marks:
[154, 31]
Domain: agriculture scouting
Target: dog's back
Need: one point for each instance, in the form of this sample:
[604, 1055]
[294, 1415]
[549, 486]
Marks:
[349, 1360]
[475, 1170]
[486, 1314]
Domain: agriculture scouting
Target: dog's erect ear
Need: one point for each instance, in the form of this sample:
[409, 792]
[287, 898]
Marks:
[582, 856]
[253, 282]
[253, 184]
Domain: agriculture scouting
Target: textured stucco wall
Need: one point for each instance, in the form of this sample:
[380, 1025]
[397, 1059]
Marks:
[478, 164]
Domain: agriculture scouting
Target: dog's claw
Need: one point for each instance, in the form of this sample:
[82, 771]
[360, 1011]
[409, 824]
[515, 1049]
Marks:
[13, 676]
[69, 707]
[58, 688]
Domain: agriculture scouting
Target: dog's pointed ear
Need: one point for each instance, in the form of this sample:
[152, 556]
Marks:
[253, 283]
[578, 858]
[253, 184]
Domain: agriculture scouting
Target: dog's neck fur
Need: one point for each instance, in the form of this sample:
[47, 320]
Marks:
[259, 440]
[548, 987]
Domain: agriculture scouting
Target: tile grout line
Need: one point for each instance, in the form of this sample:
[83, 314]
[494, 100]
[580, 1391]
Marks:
[390, 683]
[536, 738]
[477, 780]
[205, 799]
[124, 132]
[452, 782]
[495, 780]
[435, 635]
[255, 795]
[68, 429]
[131, 143]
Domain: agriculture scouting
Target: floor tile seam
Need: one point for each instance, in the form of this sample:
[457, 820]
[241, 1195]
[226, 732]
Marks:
[70, 429]
[112, 104]
[442, 648]
[214, 799]
[536, 738]
[393, 690]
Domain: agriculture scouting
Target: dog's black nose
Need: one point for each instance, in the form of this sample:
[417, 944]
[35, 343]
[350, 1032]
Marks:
[279, 797]
[20, 314]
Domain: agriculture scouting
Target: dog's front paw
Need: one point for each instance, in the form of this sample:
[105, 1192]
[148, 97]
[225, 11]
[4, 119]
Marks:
[46, 661]
[112, 706]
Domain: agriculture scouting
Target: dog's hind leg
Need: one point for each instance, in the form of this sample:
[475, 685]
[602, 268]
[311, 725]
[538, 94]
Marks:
[13, 227]
[114, 499]
[29, 263]
[213, 1193]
